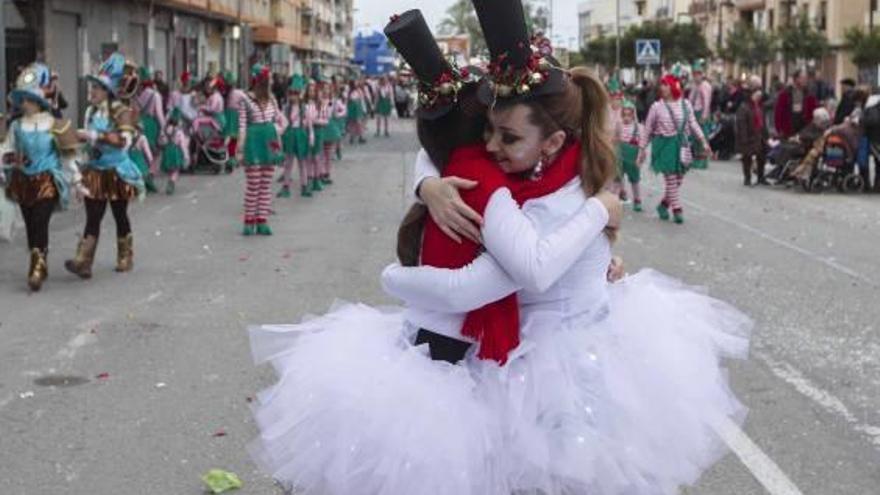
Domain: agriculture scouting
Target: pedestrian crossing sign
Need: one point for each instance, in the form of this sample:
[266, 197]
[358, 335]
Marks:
[647, 52]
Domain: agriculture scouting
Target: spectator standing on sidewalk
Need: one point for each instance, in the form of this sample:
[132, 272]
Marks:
[751, 137]
[794, 106]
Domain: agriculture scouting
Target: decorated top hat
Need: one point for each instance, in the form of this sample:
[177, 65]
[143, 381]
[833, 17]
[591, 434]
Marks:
[519, 66]
[110, 73]
[29, 85]
[439, 81]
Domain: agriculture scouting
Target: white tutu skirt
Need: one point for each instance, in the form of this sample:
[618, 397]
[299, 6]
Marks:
[622, 403]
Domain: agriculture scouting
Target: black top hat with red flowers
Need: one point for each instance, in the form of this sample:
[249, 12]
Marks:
[519, 66]
[439, 81]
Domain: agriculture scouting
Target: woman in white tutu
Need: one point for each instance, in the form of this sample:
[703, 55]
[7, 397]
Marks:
[609, 390]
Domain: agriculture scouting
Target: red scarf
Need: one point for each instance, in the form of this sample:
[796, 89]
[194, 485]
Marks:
[496, 325]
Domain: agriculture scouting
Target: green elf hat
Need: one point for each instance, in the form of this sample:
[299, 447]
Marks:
[144, 73]
[699, 65]
[259, 74]
[30, 84]
[297, 83]
[614, 88]
[230, 77]
[628, 105]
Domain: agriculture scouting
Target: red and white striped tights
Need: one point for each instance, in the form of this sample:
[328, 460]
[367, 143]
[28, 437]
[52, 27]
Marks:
[258, 194]
[672, 196]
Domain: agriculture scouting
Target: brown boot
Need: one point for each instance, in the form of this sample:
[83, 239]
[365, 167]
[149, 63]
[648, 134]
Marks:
[81, 264]
[39, 269]
[125, 253]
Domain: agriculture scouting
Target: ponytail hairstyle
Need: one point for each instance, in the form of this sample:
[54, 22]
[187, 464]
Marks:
[581, 110]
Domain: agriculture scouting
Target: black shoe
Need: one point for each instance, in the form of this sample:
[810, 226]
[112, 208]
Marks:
[747, 182]
[763, 182]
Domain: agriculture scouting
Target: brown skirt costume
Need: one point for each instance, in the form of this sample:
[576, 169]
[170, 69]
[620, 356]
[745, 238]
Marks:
[106, 185]
[26, 190]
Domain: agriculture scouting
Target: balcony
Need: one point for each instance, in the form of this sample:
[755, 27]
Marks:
[749, 4]
[225, 8]
[257, 12]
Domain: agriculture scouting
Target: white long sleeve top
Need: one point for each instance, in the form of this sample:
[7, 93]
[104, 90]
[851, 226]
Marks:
[539, 251]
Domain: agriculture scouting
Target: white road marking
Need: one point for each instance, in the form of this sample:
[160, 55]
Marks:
[822, 397]
[164, 208]
[830, 262]
[153, 296]
[755, 460]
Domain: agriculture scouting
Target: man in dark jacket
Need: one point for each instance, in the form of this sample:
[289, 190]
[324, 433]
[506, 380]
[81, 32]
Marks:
[847, 100]
[751, 137]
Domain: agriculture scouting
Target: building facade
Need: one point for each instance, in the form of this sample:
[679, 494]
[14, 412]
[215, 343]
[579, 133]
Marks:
[598, 18]
[173, 36]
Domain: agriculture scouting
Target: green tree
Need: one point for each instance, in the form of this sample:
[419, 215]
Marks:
[679, 42]
[802, 41]
[600, 51]
[462, 19]
[750, 47]
[864, 47]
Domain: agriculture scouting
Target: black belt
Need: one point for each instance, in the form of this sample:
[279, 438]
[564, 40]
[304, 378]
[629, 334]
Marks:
[442, 347]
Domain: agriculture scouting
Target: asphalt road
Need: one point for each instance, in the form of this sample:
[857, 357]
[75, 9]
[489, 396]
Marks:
[139, 383]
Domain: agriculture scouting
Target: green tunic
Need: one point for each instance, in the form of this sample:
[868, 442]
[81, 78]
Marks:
[262, 146]
[697, 144]
[172, 158]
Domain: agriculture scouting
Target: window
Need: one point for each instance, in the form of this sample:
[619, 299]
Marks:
[822, 16]
[770, 19]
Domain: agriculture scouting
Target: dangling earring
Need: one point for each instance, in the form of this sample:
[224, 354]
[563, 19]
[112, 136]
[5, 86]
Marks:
[538, 171]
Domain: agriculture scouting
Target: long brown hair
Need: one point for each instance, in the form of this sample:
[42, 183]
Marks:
[463, 125]
[582, 111]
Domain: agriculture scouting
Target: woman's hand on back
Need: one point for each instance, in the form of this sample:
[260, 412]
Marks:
[454, 217]
[615, 208]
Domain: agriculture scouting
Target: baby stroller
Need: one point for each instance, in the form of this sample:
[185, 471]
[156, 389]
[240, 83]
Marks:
[211, 151]
[836, 167]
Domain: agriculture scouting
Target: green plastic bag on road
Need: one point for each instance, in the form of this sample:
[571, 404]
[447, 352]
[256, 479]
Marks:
[220, 481]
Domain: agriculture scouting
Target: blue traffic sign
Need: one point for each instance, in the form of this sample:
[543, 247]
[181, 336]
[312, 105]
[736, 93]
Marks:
[647, 52]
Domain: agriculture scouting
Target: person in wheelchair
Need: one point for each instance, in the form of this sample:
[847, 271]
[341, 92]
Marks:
[787, 155]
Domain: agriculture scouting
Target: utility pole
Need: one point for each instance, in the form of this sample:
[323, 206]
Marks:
[3, 75]
[617, 41]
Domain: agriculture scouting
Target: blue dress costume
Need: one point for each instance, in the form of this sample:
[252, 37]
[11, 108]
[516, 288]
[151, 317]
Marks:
[42, 177]
[110, 173]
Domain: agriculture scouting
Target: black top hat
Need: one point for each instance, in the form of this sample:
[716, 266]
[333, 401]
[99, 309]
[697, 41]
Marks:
[439, 81]
[517, 69]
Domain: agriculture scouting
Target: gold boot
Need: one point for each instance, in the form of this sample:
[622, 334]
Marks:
[81, 264]
[125, 253]
[39, 269]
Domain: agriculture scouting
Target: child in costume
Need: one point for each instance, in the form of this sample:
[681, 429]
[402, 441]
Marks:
[357, 110]
[233, 96]
[383, 105]
[109, 173]
[175, 153]
[152, 118]
[333, 132]
[44, 152]
[142, 155]
[340, 113]
[670, 121]
[327, 132]
[628, 133]
[296, 139]
[701, 100]
[317, 114]
[258, 116]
